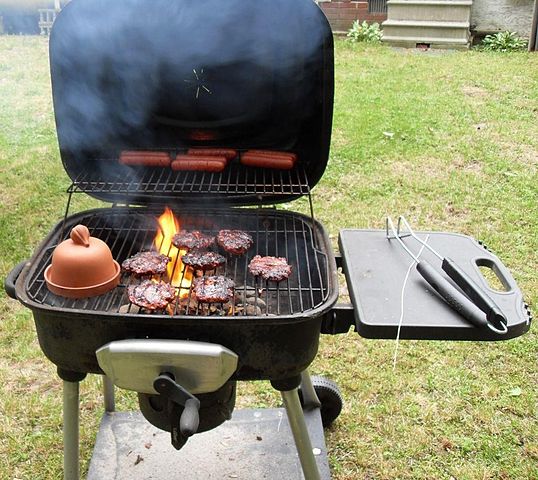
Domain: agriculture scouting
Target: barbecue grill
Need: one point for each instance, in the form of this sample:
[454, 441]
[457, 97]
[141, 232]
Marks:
[168, 76]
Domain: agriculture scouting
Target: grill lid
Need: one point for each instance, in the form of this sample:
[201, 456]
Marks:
[172, 75]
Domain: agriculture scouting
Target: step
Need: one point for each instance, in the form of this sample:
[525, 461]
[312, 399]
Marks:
[425, 24]
[424, 3]
[428, 11]
[433, 42]
[452, 31]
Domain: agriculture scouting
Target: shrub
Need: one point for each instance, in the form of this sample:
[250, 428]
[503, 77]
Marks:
[363, 32]
[503, 42]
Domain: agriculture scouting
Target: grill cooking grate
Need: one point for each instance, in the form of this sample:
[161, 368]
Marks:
[108, 177]
[129, 231]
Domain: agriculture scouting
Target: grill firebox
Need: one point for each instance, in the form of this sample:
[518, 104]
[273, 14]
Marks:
[277, 342]
[275, 233]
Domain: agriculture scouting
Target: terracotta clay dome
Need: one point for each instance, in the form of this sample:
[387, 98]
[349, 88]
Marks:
[82, 266]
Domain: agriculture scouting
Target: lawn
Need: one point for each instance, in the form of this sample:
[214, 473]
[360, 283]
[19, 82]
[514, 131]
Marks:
[447, 138]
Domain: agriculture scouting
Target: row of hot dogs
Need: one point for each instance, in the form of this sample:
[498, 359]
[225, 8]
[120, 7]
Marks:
[209, 159]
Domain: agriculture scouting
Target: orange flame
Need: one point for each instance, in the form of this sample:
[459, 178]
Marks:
[180, 275]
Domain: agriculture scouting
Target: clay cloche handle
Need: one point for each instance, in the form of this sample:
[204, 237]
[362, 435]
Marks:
[80, 235]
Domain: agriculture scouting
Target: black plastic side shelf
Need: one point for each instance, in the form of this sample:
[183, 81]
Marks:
[386, 289]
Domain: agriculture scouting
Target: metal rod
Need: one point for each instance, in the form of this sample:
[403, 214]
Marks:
[390, 225]
[67, 206]
[108, 395]
[300, 434]
[401, 219]
[310, 397]
[71, 430]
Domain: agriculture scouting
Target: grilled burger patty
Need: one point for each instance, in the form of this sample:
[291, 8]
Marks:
[201, 260]
[192, 240]
[270, 268]
[146, 263]
[214, 289]
[151, 295]
[234, 241]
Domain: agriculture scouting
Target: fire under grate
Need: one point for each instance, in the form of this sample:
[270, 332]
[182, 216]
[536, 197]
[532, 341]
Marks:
[128, 231]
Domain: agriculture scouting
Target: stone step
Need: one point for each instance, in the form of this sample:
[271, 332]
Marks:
[425, 23]
[426, 29]
[439, 10]
[433, 42]
[425, 3]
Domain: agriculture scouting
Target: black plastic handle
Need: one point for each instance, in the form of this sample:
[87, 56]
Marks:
[11, 279]
[459, 302]
[479, 297]
[190, 418]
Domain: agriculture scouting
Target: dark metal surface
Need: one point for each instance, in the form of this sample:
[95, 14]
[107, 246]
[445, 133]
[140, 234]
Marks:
[279, 342]
[191, 84]
[376, 270]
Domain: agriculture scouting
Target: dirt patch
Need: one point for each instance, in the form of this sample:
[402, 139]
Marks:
[29, 376]
[424, 167]
[524, 154]
[469, 166]
[474, 91]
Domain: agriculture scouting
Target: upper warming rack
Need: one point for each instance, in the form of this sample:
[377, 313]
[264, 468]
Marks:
[132, 185]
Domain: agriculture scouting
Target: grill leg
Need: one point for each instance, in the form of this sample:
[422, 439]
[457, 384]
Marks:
[300, 434]
[310, 397]
[71, 429]
[108, 394]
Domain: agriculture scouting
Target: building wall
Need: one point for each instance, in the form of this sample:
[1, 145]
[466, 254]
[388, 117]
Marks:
[489, 16]
[342, 13]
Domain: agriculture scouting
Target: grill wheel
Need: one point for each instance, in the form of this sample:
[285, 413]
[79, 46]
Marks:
[330, 397]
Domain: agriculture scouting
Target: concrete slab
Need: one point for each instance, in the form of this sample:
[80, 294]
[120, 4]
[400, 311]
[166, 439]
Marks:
[254, 444]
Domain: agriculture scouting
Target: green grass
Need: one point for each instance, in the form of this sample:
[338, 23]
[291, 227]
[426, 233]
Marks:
[448, 139]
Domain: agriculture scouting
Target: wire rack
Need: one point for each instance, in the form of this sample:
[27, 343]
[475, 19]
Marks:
[107, 177]
[128, 231]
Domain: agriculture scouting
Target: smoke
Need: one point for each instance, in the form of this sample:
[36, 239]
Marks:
[145, 74]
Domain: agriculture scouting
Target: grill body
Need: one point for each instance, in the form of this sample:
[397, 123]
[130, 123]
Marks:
[279, 342]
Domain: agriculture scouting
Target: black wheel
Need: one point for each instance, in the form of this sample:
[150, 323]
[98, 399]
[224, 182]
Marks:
[330, 397]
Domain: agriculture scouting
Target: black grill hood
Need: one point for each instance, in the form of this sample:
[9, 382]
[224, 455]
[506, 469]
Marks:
[174, 74]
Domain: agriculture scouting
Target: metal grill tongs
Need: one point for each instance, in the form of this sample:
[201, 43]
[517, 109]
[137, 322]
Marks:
[476, 305]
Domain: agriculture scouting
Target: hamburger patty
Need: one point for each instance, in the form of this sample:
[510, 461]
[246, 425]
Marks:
[234, 241]
[192, 240]
[214, 289]
[151, 295]
[146, 263]
[270, 268]
[201, 260]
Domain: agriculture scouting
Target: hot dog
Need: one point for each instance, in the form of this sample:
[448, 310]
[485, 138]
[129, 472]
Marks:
[265, 161]
[143, 153]
[207, 163]
[273, 154]
[147, 159]
[227, 153]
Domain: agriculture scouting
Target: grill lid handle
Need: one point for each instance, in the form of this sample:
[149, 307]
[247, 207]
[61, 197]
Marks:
[11, 279]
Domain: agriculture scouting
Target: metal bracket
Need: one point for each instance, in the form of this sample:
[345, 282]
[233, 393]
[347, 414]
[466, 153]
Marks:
[339, 260]
[339, 319]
